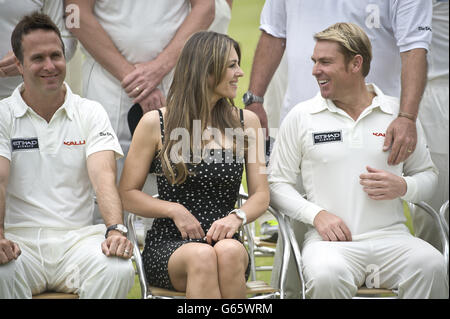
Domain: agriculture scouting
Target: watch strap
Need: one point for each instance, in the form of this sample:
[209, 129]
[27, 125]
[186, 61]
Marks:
[115, 227]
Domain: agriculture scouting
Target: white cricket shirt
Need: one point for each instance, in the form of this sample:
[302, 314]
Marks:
[331, 150]
[49, 184]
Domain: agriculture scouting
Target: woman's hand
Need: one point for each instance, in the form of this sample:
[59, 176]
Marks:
[186, 223]
[223, 228]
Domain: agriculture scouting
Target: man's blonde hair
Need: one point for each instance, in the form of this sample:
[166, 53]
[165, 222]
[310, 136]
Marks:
[351, 39]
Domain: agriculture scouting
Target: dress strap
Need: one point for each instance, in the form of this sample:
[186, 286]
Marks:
[241, 116]
[161, 124]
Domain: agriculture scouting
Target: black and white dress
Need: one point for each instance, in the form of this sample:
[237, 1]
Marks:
[209, 194]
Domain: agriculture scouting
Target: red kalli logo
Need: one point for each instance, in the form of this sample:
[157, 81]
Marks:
[380, 134]
[75, 143]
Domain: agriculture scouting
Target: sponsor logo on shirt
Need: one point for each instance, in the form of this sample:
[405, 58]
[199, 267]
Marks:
[379, 134]
[74, 143]
[425, 28]
[106, 134]
[24, 144]
[327, 137]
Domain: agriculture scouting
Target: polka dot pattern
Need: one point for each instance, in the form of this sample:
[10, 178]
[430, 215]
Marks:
[209, 194]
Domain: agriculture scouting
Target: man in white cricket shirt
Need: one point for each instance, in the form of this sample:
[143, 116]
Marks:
[354, 198]
[56, 151]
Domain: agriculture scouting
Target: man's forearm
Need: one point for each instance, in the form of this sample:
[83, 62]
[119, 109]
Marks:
[200, 18]
[413, 80]
[97, 42]
[268, 54]
[102, 174]
[109, 204]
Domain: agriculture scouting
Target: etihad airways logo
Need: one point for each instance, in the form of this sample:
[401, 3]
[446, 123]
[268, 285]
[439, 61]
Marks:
[24, 144]
[327, 137]
[74, 143]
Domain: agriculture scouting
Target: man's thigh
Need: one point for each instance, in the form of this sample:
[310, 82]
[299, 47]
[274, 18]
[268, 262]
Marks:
[87, 271]
[336, 259]
[82, 257]
[397, 258]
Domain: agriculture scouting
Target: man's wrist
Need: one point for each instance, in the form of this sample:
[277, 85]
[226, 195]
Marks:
[409, 116]
[251, 98]
[115, 233]
[119, 228]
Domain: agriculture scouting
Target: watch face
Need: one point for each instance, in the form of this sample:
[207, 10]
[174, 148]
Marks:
[122, 228]
[246, 98]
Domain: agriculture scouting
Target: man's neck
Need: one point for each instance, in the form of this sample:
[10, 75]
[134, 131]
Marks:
[45, 105]
[358, 99]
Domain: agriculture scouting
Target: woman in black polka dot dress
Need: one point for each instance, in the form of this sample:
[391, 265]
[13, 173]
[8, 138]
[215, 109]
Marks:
[193, 245]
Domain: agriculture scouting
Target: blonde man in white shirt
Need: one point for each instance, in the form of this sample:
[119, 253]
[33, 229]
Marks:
[56, 150]
[354, 198]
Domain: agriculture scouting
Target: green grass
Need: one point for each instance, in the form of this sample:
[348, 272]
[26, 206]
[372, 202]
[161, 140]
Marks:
[244, 28]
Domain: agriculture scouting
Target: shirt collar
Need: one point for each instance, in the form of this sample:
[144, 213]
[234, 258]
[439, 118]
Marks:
[21, 107]
[378, 101]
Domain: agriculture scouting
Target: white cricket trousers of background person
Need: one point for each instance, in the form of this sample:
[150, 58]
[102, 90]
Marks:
[433, 115]
[390, 259]
[99, 85]
[69, 261]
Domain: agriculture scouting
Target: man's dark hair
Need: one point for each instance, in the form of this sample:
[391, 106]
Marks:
[32, 22]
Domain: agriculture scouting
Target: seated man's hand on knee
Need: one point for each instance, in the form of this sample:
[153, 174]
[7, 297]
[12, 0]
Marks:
[331, 227]
[117, 245]
[8, 251]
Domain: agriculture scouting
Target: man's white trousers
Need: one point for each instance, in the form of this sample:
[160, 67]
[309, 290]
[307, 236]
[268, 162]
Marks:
[69, 261]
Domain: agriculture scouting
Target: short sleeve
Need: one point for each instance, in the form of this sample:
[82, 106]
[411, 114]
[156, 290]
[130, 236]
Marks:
[273, 18]
[411, 22]
[99, 133]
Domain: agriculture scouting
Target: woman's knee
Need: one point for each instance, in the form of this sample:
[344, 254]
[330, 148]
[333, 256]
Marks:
[202, 259]
[231, 254]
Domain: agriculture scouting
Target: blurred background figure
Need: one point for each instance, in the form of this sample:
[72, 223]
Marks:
[433, 115]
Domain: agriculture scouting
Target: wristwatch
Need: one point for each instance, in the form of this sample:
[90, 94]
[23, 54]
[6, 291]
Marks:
[241, 214]
[119, 227]
[250, 98]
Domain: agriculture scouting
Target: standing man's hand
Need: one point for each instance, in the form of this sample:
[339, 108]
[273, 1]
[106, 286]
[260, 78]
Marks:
[401, 139]
[8, 65]
[331, 228]
[153, 101]
[143, 80]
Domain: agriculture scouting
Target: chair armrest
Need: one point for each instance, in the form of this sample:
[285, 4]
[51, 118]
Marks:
[443, 235]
